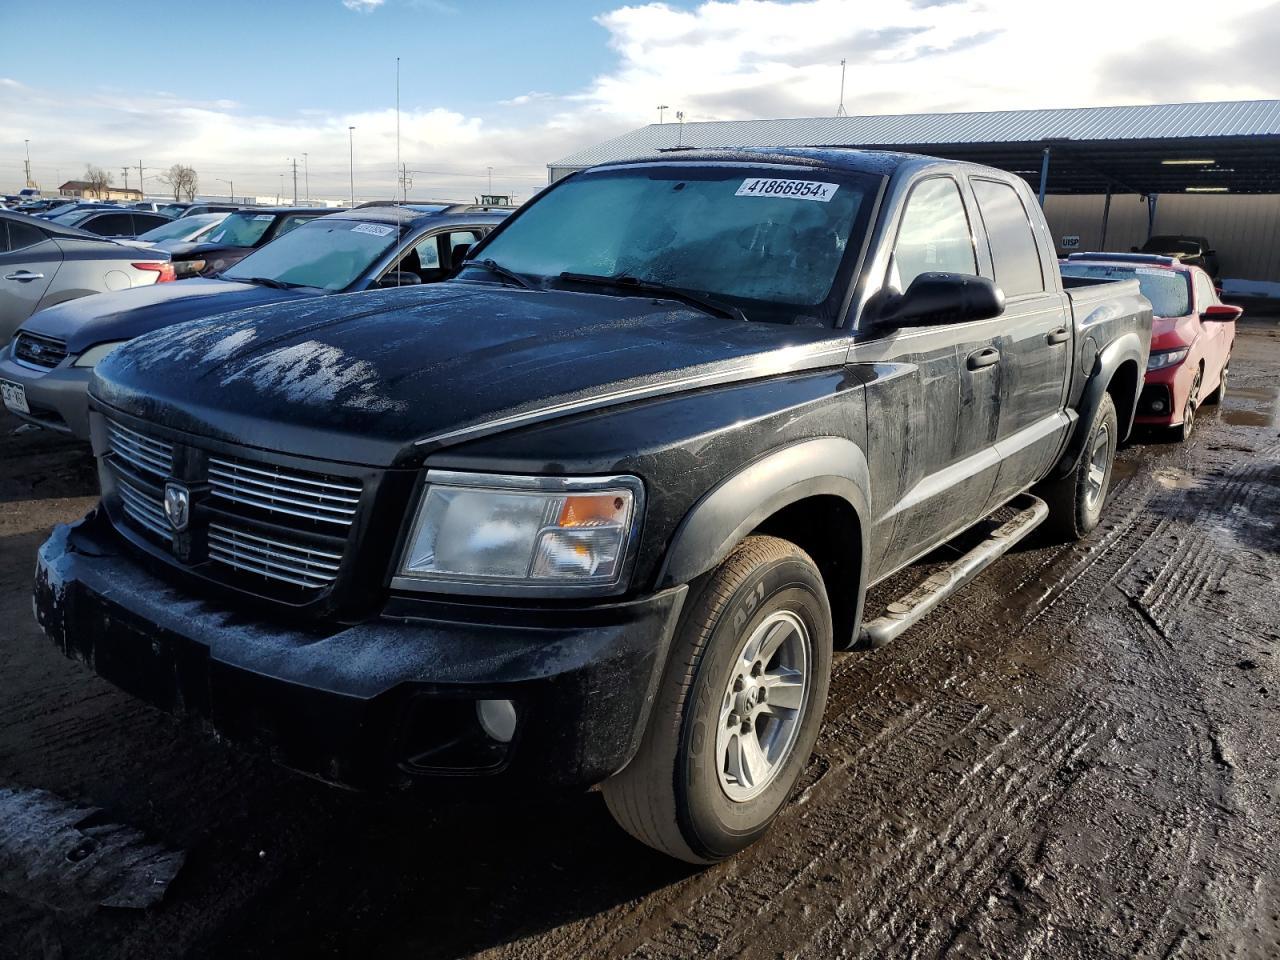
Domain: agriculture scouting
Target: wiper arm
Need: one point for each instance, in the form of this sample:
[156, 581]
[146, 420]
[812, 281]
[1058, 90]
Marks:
[262, 281]
[629, 284]
[499, 270]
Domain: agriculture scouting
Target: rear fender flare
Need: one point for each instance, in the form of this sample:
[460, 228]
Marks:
[1127, 347]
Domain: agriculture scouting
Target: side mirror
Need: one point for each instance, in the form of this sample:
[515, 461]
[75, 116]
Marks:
[945, 298]
[399, 278]
[1222, 313]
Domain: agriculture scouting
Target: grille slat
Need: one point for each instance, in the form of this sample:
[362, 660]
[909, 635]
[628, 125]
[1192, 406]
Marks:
[153, 456]
[288, 562]
[39, 351]
[290, 492]
[144, 509]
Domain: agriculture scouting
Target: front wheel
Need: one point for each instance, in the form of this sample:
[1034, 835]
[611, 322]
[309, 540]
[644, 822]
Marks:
[1217, 396]
[738, 709]
[1075, 501]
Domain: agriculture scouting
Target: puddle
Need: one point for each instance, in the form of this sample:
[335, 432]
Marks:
[1175, 480]
[1247, 418]
[1266, 394]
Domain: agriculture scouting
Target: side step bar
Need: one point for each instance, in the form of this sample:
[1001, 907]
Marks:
[912, 608]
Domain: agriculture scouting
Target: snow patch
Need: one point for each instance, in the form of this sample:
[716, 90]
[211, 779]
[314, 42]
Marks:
[312, 372]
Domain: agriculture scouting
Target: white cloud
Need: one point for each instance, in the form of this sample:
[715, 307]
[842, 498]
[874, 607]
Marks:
[363, 6]
[723, 59]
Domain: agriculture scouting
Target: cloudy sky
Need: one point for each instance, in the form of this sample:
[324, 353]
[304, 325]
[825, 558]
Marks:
[515, 84]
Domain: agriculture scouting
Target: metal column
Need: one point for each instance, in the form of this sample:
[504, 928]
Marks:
[1106, 218]
[1151, 213]
[1044, 175]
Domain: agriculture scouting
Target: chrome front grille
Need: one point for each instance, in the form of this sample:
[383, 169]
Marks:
[295, 493]
[39, 351]
[144, 509]
[292, 563]
[252, 523]
[142, 453]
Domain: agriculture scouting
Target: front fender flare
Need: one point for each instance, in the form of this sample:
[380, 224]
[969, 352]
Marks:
[826, 466]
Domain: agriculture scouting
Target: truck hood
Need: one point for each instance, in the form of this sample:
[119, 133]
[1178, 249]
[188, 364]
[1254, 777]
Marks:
[125, 314]
[384, 377]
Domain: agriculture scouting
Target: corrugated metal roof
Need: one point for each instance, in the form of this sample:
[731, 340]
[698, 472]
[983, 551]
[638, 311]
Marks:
[1149, 122]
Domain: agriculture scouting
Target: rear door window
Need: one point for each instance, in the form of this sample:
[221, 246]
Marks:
[21, 236]
[1013, 244]
[934, 234]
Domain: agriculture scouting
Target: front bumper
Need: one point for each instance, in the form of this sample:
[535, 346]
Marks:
[58, 397]
[387, 703]
[1164, 394]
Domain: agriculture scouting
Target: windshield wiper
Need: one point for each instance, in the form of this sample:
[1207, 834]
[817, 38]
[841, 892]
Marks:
[631, 284]
[263, 281]
[499, 270]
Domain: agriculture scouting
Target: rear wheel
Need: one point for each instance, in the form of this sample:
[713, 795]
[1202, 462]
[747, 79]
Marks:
[1075, 501]
[738, 710]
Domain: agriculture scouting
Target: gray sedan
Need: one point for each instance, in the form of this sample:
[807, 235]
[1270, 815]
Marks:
[43, 263]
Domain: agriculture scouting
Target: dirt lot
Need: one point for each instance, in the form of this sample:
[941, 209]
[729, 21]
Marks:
[1079, 756]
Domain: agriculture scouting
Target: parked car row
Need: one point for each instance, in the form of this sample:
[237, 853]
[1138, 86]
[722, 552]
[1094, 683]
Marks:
[586, 495]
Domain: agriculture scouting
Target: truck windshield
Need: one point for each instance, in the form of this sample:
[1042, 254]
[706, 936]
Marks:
[773, 241]
[1168, 290]
[326, 253]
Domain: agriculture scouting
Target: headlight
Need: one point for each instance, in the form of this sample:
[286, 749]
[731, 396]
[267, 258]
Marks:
[1167, 358]
[95, 355]
[548, 536]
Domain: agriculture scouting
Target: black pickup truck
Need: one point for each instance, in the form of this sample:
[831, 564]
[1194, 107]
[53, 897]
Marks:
[597, 511]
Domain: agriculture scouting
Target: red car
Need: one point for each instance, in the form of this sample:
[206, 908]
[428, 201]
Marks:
[1191, 338]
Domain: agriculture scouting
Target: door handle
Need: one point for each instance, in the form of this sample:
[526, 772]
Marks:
[1061, 335]
[22, 276]
[986, 357]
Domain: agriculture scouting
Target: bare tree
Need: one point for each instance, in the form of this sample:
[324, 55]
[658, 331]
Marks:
[183, 181]
[97, 179]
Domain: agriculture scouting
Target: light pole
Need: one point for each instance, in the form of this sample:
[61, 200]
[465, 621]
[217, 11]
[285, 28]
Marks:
[490, 181]
[231, 184]
[280, 192]
[27, 144]
[662, 108]
[306, 174]
[351, 148]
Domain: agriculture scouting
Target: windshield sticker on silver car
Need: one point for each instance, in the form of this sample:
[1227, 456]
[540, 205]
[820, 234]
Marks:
[794, 189]
[263, 216]
[373, 229]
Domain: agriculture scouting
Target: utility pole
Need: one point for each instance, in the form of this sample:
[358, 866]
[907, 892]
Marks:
[840, 110]
[662, 108]
[404, 196]
[30, 182]
[351, 159]
[490, 181]
[231, 184]
[125, 171]
[404, 180]
[295, 181]
[306, 174]
[140, 186]
[680, 128]
[280, 192]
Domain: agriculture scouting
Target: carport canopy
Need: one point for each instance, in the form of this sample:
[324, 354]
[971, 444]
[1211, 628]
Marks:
[1221, 147]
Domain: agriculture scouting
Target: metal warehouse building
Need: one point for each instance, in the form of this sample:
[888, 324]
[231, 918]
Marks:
[1109, 177]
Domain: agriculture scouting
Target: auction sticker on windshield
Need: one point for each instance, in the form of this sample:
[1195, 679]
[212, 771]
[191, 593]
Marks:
[794, 189]
[14, 395]
[374, 229]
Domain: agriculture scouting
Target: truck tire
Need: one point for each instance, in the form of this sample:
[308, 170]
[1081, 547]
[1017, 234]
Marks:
[1075, 501]
[738, 708]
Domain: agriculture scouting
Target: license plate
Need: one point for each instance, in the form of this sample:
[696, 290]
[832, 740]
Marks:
[14, 395]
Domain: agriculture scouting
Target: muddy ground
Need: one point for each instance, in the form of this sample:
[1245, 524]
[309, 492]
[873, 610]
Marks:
[1079, 756]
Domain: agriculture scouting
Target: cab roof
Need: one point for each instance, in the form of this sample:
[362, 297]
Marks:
[879, 162]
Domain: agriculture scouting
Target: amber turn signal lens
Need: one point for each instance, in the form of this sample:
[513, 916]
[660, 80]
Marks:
[589, 509]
